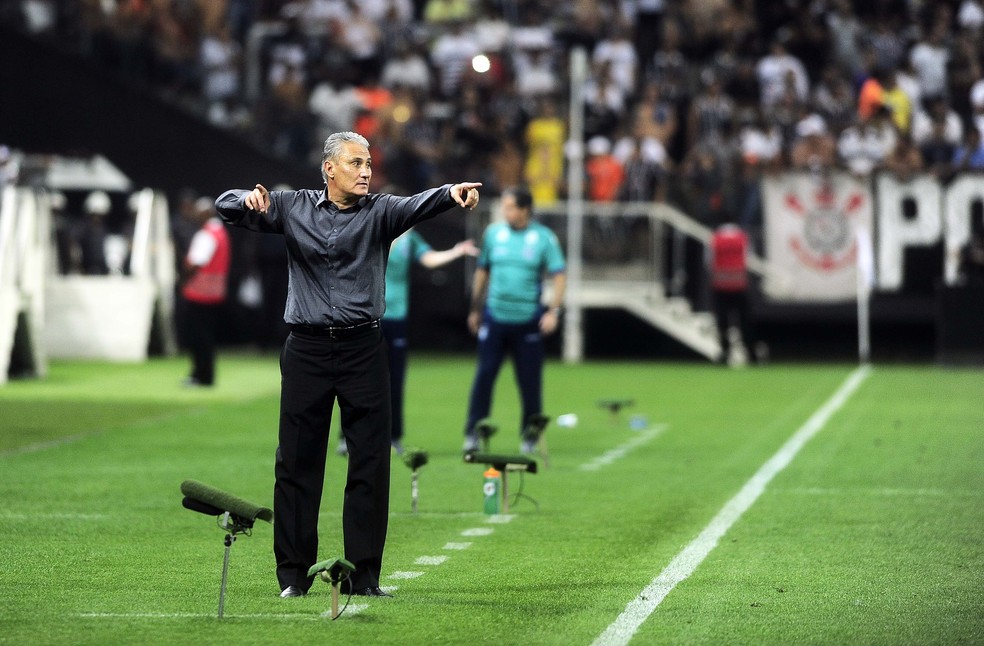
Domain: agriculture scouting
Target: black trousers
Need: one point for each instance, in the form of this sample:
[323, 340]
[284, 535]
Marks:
[522, 341]
[315, 372]
[733, 307]
[199, 323]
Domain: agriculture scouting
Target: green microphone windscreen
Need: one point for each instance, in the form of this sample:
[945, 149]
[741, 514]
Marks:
[225, 501]
[335, 567]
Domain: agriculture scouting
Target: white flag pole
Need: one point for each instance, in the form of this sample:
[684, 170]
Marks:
[865, 282]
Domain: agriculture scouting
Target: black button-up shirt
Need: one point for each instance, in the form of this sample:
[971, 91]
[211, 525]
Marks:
[336, 258]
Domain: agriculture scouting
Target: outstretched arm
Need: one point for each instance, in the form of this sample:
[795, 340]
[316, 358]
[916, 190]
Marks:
[433, 259]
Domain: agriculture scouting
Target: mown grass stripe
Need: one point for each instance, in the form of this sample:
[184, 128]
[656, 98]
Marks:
[686, 562]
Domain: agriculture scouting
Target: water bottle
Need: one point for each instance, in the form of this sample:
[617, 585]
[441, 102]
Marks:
[491, 489]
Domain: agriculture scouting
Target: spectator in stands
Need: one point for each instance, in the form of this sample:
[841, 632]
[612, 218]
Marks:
[205, 278]
[905, 161]
[712, 113]
[833, 100]
[443, 15]
[897, 101]
[760, 152]
[407, 67]
[604, 102]
[814, 148]
[361, 39]
[333, 101]
[643, 170]
[285, 114]
[937, 150]
[976, 100]
[885, 41]
[176, 37]
[863, 147]
[669, 67]
[545, 137]
[846, 33]
[969, 155]
[416, 144]
[536, 72]
[779, 72]
[705, 178]
[617, 50]
[654, 117]
[451, 55]
[937, 110]
[929, 58]
[220, 59]
[786, 111]
[603, 171]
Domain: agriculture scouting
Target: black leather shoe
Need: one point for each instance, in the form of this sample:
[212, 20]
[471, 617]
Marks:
[371, 591]
[292, 591]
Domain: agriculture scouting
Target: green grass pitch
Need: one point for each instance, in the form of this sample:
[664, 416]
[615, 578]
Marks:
[872, 534]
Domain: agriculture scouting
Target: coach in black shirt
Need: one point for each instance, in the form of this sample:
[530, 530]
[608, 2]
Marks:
[338, 242]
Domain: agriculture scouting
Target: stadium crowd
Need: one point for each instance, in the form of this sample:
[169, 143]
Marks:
[687, 100]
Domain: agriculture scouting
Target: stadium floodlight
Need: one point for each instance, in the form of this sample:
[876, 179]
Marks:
[505, 464]
[414, 459]
[235, 516]
[333, 571]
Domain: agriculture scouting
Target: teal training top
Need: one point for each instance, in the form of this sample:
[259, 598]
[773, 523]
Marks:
[406, 249]
[517, 261]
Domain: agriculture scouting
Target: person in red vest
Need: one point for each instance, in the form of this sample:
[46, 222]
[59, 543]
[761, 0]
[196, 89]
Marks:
[206, 274]
[729, 286]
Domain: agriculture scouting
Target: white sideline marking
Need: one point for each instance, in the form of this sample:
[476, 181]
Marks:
[199, 615]
[683, 564]
[618, 452]
[53, 515]
[430, 560]
[405, 575]
[351, 609]
[478, 531]
[41, 446]
[500, 519]
[457, 546]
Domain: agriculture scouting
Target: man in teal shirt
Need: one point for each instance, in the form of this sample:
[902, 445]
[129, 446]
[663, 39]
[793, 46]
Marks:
[507, 314]
[405, 250]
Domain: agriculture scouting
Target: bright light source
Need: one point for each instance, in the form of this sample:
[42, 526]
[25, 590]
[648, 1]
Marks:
[481, 64]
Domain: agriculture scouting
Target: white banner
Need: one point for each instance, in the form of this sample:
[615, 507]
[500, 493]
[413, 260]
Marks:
[810, 225]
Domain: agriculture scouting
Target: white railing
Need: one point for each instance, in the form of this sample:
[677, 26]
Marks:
[25, 223]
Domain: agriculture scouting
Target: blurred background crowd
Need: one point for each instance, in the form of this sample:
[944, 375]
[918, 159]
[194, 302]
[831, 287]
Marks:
[688, 101]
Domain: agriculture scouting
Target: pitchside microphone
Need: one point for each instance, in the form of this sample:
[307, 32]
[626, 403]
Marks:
[214, 502]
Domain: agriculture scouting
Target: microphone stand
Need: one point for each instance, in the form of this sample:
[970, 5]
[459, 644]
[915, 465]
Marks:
[232, 525]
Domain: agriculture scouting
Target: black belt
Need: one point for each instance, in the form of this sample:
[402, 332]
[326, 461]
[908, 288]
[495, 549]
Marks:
[335, 332]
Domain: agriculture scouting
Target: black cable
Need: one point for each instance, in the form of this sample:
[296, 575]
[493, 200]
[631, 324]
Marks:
[348, 575]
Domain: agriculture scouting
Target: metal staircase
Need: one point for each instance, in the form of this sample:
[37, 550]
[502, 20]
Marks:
[671, 315]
